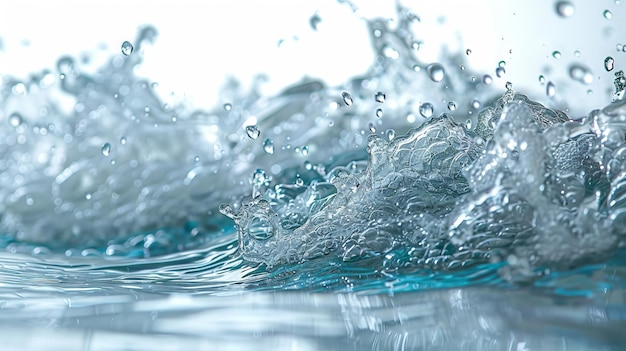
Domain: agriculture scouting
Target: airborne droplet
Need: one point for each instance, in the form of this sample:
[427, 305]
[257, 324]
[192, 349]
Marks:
[451, 106]
[228, 107]
[380, 97]
[487, 79]
[550, 89]
[426, 110]
[379, 112]
[565, 9]
[500, 71]
[15, 120]
[106, 149]
[268, 146]
[127, 48]
[390, 133]
[607, 14]
[581, 74]
[436, 72]
[253, 132]
[347, 98]
[609, 63]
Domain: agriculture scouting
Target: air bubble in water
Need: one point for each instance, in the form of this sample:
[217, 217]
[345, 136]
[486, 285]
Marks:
[451, 106]
[390, 133]
[106, 149]
[268, 146]
[347, 98]
[127, 48]
[550, 89]
[379, 112]
[426, 110]
[607, 14]
[581, 74]
[565, 9]
[15, 120]
[487, 79]
[253, 132]
[609, 63]
[380, 97]
[500, 71]
[436, 72]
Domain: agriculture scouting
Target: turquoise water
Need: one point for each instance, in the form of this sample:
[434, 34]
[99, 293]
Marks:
[414, 207]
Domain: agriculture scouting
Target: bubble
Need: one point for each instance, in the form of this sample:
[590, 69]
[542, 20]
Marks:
[565, 9]
[347, 98]
[127, 48]
[609, 63]
[426, 110]
[15, 120]
[390, 133]
[123, 140]
[260, 228]
[299, 181]
[253, 132]
[581, 74]
[556, 54]
[468, 52]
[475, 104]
[500, 71]
[268, 146]
[379, 112]
[607, 14]
[550, 89]
[451, 106]
[305, 150]
[436, 72]
[487, 79]
[228, 107]
[380, 97]
[106, 149]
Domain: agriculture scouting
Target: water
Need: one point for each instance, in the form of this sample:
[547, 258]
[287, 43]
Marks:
[307, 220]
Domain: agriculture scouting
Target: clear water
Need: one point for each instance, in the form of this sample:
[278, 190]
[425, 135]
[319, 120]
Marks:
[417, 206]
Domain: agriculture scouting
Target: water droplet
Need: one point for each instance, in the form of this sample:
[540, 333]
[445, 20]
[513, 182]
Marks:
[436, 72]
[106, 149]
[468, 124]
[305, 150]
[299, 181]
[607, 14]
[609, 63]
[462, 67]
[372, 128]
[308, 165]
[556, 54]
[390, 52]
[380, 97]
[508, 85]
[390, 133]
[565, 9]
[550, 89]
[502, 64]
[542, 79]
[123, 140]
[127, 48]
[487, 79]
[581, 74]
[417, 68]
[197, 158]
[426, 110]
[577, 53]
[618, 47]
[259, 178]
[475, 104]
[379, 112]
[15, 120]
[268, 146]
[347, 98]
[500, 71]
[253, 132]
[228, 107]
[314, 21]
[468, 52]
[451, 106]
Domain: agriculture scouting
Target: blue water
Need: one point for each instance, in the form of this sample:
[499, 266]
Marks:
[319, 224]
